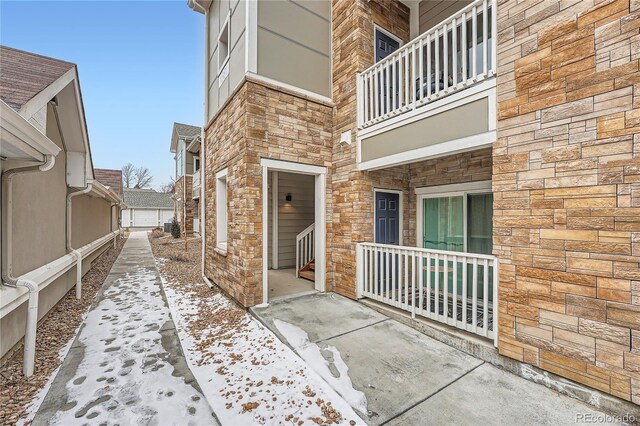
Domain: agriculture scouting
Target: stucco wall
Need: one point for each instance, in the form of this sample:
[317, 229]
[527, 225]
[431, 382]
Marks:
[90, 219]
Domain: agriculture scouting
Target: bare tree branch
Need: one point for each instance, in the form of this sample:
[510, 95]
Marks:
[168, 187]
[142, 177]
[127, 175]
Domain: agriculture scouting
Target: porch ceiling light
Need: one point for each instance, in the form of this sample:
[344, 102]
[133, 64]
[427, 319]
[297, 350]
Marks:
[288, 197]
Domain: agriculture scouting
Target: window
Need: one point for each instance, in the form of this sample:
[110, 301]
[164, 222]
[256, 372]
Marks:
[221, 210]
[223, 46]
[196, 164]
[458, 221]
[179, 171]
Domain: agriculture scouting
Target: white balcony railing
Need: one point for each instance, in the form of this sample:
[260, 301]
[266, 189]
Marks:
[195, 185]
[305, 247]
[455, 288]
[457, 53]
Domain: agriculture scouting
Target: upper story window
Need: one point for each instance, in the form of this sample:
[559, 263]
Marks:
[223, 48]
[179, 163]
[196, 164]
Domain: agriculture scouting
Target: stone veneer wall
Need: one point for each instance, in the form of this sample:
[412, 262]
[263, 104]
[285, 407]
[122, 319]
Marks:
[567, 189]
[191, 205]
[352, 196]
[260, 121]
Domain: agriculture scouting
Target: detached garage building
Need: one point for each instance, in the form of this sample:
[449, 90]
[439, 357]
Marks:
[146, 208]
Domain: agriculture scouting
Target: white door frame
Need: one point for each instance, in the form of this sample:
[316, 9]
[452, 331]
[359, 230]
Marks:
[320, 174]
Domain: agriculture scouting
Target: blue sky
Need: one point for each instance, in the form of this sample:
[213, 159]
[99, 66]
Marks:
[140, 65]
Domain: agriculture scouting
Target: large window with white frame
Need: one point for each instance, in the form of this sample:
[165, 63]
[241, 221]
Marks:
[457, 218]
[221, 210]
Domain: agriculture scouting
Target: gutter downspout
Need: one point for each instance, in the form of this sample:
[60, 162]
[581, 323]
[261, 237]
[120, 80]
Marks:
[7, 266]
[70, 249]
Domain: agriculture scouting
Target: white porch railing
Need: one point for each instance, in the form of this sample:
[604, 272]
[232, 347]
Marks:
[305, 247]
[455, 54]
[455, 288]
[195, 185]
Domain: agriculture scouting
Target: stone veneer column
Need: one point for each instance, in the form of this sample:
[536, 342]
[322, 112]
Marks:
[566, 184]
[352, 218]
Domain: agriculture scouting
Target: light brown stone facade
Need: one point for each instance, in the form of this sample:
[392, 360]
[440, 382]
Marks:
[259, 121]
[190, 207]
[566, 183]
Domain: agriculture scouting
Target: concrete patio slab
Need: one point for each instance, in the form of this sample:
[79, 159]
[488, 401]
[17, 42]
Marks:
[407, 377]
[488, 395]
[397, 367]
[321, 315]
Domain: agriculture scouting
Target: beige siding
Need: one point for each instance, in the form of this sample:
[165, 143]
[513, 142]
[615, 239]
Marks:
[432, 12]
[39, 234]
[467, 120]
[236, 11]
[38, 228]
[294, 216]
[294, 43]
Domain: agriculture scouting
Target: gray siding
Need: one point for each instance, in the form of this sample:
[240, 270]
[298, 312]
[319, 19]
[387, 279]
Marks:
[220, 9]
[294, 43]
[294, 216]
[432, 12]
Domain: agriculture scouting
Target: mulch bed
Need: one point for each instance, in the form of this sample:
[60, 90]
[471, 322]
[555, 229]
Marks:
[54, 332]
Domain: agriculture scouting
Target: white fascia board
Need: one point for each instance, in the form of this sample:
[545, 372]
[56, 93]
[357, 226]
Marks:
[469, 143]
[103, 192]
[21, 134]
[287, 166]
[45, 95]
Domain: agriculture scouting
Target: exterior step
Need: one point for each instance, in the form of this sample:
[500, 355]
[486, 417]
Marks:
[309, 275]
[312, 266]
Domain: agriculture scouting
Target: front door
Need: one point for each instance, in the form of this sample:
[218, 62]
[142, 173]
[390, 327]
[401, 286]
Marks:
[387, 218]
[387, 230]
[387, 85]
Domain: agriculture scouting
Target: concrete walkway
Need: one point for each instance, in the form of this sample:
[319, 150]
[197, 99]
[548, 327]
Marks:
[126, 365]
[407, 377]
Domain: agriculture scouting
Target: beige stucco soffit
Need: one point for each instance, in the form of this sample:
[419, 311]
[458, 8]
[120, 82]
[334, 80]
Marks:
[20, 140]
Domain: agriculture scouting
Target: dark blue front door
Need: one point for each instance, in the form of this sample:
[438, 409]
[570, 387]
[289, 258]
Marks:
[387, 218]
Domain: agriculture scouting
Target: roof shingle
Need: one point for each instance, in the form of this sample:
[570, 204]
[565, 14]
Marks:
[147, 199]
[23, 75]
[186, 130]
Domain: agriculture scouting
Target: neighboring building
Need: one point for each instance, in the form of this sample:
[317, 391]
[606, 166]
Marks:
[488, 183]
[146, 208]
[56, 218]
[185, 144]
[110, 178]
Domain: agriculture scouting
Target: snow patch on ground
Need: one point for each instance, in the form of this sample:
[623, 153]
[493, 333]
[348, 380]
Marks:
[33, 408]
[247, 374]
[312, 354]
[125, 375]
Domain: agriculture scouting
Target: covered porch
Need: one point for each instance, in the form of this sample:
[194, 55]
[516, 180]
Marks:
[430, 254]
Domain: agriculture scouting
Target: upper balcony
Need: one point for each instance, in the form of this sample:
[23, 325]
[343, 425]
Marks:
[433, 96]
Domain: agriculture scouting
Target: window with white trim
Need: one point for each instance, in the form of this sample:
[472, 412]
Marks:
[221, 210]
[223, 45]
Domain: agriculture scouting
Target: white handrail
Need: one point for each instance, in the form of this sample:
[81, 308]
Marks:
[441, 61]
[456, 288]
[305, 247]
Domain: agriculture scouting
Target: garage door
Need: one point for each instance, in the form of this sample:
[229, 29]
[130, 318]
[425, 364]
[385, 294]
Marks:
[145, 218]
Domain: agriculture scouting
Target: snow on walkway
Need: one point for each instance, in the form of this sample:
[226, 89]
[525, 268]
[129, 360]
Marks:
[247, 374]
[125, 374]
